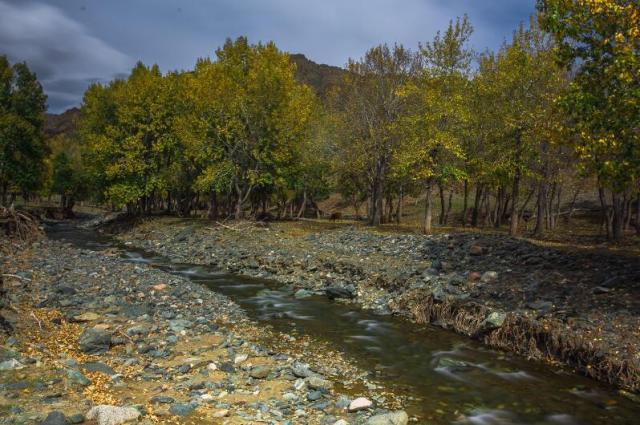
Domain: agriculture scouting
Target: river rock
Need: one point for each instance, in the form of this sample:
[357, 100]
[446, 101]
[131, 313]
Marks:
[317, 383]
[182, 409]
[260, 372]
[98, 367]
[476, 250]
[488, 277]
[162, 399]
[221, 413]
[112, 415]
[137, 330]
[179, 325]
[95, 341]
[11, 364]
[314, 395]
[240, 358]
[360, 403]
[393, 418]
[301, 370]
[86, 317]
[494, 320]
[77, 377]
[339, 292]
[55, 418]
[302, 293]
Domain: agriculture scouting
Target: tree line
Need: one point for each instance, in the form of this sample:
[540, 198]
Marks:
[508, 130]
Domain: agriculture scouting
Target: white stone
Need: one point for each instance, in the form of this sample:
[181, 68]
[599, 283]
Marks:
[212, 367]
[360, 403]
[488, 277]
[112, 415]
[221, 413]
[240, 358]
[341, 422]
[206, 397]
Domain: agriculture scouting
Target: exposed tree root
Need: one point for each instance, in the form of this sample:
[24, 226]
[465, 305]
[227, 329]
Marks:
[19, 225]
[530, 338]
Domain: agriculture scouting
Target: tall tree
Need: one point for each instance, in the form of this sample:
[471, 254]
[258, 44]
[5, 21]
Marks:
[439, 112]
[22, 147]
[373, 107]
[600, 41]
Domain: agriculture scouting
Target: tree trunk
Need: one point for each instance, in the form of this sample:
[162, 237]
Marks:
[426, 228]
[497, 214]
[304, 203]
[637, 222]
[627, 213]
[441, 219]
[541, 211]
[400, 206]
[476, 206]
[573, 205]
[618, 202]
[515, 194]
[448, 211]
[486, 206]
[606, 215]
[377, 194]
[465, 204]
[213, 206]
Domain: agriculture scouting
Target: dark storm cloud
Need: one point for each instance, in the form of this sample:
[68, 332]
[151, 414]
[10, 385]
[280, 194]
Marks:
[94, 39]
[65, 56]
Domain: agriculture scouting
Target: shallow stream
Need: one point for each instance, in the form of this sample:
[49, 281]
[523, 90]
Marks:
[450, 378]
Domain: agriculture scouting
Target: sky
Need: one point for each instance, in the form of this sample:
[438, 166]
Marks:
[72, 43]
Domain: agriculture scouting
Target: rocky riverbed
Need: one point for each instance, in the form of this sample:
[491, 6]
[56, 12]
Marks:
[578, 308]
[100, 340]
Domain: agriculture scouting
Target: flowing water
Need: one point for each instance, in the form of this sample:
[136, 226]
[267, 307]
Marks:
[450, 379]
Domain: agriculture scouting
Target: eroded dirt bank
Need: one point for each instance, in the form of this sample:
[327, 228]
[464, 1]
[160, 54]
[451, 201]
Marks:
[581, 309]
[91, 330]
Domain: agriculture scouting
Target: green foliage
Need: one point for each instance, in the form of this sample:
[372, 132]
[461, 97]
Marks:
[601, 39]
[236, 124]
[22, 148]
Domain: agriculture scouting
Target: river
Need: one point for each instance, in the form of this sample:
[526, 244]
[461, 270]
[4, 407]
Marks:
[449, 378]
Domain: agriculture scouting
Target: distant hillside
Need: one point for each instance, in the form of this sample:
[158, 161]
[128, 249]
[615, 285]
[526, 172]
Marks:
[63, 123]
[319, 76]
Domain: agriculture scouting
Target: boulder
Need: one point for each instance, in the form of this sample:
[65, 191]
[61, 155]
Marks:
[95, 341]
[336, 292]
[112, 415]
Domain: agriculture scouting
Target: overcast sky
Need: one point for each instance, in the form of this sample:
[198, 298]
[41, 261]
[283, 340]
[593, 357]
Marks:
[70, 43]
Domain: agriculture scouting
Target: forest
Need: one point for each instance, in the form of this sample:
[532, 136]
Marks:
[511, 133]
